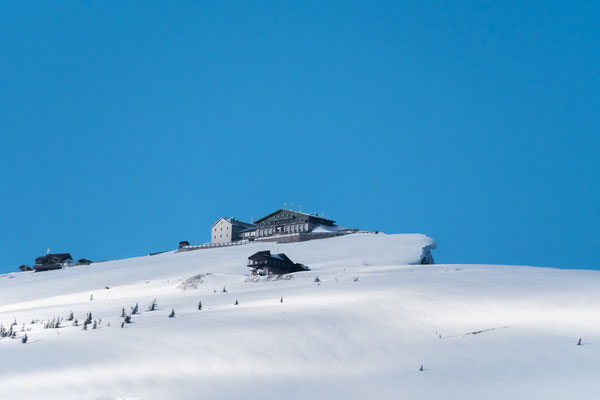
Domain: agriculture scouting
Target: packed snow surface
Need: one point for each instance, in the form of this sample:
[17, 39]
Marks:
[361, 332]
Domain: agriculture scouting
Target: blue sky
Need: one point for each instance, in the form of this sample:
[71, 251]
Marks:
[126, 127]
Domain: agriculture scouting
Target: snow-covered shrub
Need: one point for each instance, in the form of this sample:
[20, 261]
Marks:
[192, 283]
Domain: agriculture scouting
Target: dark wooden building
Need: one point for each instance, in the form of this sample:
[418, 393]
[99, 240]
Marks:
[285, 221]
[265, 263]
[24, 268]
[83, 261]
[52, 261]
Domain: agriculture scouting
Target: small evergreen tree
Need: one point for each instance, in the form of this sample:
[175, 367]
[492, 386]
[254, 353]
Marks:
[24, 339]
[134, 310]
[224, 289]
[122, 324]
[152, 305]
[70, 317]
[123, 313]
[91, 297]
[317, 280]
[236, 303]
[75, 323]
[421, 369]
[579, 342]
[127, 319]
[172, 314]
[200, 306]
[95, 325]
[85, 326]
[281, 300]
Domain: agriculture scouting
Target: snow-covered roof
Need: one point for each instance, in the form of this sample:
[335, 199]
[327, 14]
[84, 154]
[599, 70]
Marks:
[327, 229]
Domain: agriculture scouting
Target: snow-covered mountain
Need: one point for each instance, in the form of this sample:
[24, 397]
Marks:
[362, 332]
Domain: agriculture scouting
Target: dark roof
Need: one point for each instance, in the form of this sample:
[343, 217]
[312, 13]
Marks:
[278, 262]
[260, 254]
[295, 212]
[235, 222]
[267, 253]
[53, 258]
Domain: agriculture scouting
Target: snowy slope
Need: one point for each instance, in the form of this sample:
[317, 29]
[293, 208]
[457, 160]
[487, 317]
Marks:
[339, 338]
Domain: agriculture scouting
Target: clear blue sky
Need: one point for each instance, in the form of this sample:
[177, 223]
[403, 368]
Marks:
[126, 127]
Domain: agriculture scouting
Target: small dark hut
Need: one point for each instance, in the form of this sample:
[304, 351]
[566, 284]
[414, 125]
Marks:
[265, 263]
[52, 261]
[24, 268]
[83, 261]
[183, 244]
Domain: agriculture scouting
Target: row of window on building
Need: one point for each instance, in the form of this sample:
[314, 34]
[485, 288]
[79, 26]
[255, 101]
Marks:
[285, 229]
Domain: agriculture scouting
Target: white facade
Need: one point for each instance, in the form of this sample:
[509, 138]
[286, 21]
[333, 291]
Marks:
[221, 231]
[228, 230]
